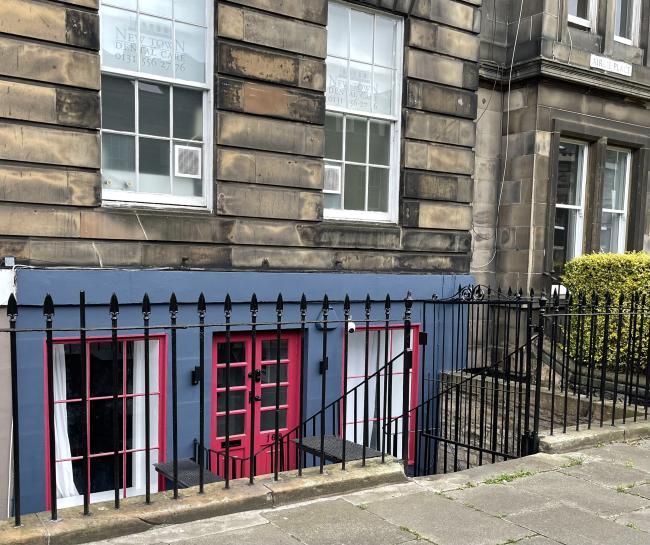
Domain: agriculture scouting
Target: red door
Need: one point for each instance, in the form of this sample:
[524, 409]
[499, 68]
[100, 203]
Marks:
[242, 383]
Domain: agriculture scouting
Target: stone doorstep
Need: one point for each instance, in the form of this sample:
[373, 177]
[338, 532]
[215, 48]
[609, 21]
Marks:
[587, 438]
[134, 516]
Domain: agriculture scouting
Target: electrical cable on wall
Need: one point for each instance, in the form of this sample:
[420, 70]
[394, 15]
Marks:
[505, 155]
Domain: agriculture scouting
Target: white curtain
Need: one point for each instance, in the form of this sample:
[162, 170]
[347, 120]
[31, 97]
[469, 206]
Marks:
[65, 486]
[139, 468]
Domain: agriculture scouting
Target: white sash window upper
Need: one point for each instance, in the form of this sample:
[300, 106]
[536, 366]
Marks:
[627, 15]
[363, 97]
[156, 101]
[583, 13]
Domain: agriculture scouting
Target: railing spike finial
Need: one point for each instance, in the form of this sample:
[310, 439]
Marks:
[408, 302]
[387, 302]
[173, 304]
[608, 297]
[279, 304]
[254, 304]
[510, 291]
[146, 305]
[12, 307]
[346, 304]
[114, 306]
[303, 305]
[621, 298]
[367, 304]
[227, 306]
[201, 306]
[532, 293]
[326, 304]
[48, 306]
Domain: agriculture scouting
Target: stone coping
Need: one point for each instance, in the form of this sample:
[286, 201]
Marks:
[134, 516]
[586, 438]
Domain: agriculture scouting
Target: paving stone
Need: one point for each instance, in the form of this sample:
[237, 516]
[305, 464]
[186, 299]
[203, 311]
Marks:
[608, 474]
[639, 520]
[337, 522]
[573, 526]
[538, 540]
[500, 499]
[636, 456]
[383, 492]
[445, 521]
[267, 534]
[591, 497]
[642, 490]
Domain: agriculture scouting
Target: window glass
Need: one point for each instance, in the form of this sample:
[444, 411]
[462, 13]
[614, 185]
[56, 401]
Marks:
[569, 184]
[616, 168]
[363, 84]
[623, 15]
[154, 92]
[579, 8]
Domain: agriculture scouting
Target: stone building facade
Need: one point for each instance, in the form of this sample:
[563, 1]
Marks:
[562, 136]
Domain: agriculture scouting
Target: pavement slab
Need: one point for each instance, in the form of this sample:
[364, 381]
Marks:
[631, 455]
[608, 474]
[500, 499]
[337, 522]
[430, 516]
[268, 534]
[638, 520]
[595, 498]
[574, 526]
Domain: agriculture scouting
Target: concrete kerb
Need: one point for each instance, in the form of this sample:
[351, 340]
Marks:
[134, 516]
[587, 438]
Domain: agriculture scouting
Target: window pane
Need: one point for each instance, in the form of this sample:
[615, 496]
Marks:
[156, 46]
[380, 142]
[118, 104]
[338, 30]
[332, 200]
[569, 180]
[267, 420]
[236, 425]
[154, 109]
[190, 11]
[237, 352]
[383, 91]
[237, 401]
[615, 179]
[385, 31]
[126, 4]
[270, 376]
[188, 114]
[154, 166]
[101, 425]
[623, 19]
[361, 42]
[75, 426]
[268, 396]
[119, 41]
[378, 189]
[190, 52]
[611, 230]
[355, 139]
[360, 93]
[337, 83]
[101, 369]
[334, 136]
[237, 376]
[73, 387]
[355, 187]
[565, 237]
[270, 351]
[118, 162]
[161, 8]
[579, 8]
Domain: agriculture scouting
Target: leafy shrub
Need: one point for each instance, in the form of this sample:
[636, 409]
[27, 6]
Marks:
[616, 276]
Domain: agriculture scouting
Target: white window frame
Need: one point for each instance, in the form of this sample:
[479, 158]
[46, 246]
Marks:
[391, 216]
[590, 23]
[636, 22]
[622, 213]
[580, 209]
[111, 197]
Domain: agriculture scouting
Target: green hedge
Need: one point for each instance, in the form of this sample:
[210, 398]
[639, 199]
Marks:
[616, 274]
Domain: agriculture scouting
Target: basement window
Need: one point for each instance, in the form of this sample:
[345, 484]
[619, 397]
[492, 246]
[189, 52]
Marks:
[156, 101]
[362, 123]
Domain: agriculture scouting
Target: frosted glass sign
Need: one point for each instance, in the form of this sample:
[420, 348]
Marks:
[156, 46]
[119, 39]
[362, 121]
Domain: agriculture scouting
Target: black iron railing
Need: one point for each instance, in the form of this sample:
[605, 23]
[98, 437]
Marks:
[492, 370]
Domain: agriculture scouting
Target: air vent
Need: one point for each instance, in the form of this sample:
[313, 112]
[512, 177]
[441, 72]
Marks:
[332, 179]
[187, 162]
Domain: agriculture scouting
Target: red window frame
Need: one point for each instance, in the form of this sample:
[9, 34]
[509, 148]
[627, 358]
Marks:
[161, 393]
[415, 371]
